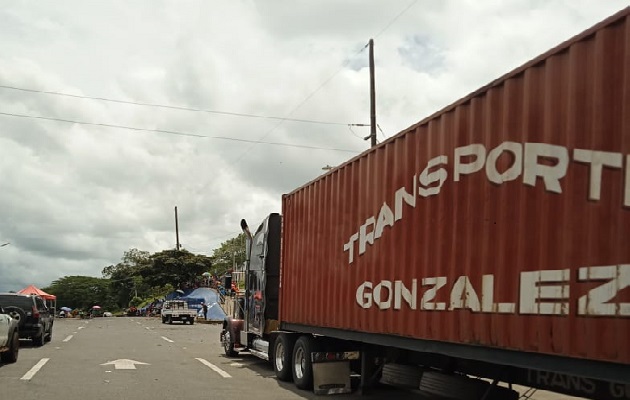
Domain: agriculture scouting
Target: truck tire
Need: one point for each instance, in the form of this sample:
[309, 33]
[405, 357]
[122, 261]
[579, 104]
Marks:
[401, 375]
[462, 387]
[281, 357]
[192, 321]
[170, 320]
[11, 355]
[163, 320]
[228, 344]
[302, 366]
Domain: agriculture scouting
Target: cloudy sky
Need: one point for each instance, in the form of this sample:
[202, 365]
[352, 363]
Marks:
[78, 187]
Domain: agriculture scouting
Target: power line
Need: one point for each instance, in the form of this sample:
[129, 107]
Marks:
[170, 132]
[396, 18]
[353, 133]
[234, 114]
[307, 98]
[344, 64]
[382, 133]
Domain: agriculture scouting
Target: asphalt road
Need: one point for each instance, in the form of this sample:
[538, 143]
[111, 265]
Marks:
[89, 359]
[169, 361]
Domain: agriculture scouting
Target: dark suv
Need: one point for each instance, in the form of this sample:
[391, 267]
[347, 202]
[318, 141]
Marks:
[35, 320]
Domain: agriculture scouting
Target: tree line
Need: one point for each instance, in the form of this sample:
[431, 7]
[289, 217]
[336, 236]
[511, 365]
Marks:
[142, 276]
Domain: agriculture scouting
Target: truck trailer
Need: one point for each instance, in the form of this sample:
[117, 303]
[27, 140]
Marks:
[490, 240]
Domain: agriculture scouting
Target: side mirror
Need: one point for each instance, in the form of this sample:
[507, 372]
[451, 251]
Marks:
[2, 310]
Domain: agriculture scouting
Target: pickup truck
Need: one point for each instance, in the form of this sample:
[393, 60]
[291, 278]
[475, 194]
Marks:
[9, 338]
[177, 310]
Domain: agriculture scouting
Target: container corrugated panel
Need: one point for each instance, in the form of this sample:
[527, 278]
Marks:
[502, 220]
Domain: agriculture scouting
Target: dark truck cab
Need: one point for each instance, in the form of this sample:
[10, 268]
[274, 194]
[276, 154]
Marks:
[254, 317]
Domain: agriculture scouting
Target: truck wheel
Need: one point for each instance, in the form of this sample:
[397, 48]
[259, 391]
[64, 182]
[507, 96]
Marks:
[302, 366]
[402, 375]
[11, 355]
[282, 352]
[170, 320]
[192, 321]
[228, 344]
[163, 320]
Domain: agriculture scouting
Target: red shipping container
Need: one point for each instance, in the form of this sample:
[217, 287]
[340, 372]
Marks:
[501, 221]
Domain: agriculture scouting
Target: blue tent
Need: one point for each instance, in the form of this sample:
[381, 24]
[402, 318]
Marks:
[197, 296]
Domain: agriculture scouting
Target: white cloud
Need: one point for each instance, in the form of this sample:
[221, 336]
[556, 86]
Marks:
[74, 197]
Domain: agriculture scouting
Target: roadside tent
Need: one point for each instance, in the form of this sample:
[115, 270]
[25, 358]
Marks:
[50, 299]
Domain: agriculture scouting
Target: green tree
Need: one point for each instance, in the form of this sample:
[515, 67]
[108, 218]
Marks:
[135, 302]
[139, 275]
[82, 292]
[179, 268]
[125, 278]
[231, 252]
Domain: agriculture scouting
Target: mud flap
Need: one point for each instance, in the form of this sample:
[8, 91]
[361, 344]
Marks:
[331, 372]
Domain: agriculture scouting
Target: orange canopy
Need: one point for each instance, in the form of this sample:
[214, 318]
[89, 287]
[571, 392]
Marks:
[35, 290]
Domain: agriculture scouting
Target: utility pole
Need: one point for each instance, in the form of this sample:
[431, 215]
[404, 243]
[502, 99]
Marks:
[176, 228]
[372, 97]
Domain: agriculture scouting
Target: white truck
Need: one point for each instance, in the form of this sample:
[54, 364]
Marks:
[9, 338]
[177, 310]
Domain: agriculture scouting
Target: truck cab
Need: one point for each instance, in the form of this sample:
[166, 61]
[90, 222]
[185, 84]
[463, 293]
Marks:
[253, 313]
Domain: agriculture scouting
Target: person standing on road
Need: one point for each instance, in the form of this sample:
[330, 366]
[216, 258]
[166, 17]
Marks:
[204, 306]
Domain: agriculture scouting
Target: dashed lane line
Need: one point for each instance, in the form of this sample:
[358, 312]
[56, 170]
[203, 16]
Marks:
[214, 368]
[27, 376]
[67, 339]
[167, 339]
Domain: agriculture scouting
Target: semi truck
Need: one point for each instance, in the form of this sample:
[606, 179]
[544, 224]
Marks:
[487, 245]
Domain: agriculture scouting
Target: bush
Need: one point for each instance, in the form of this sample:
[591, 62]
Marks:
[135, 302]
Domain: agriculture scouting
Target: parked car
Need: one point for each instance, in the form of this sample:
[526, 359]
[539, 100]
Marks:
[9, 338]
[35, 320]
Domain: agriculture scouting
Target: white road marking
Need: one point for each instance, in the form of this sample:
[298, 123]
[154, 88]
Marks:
[167, 339]
[147, 328]
[236, 365]
[139, 323]
[68, 338]
[214, 368]
[125, 363]
[27, 376]
[81, 327]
